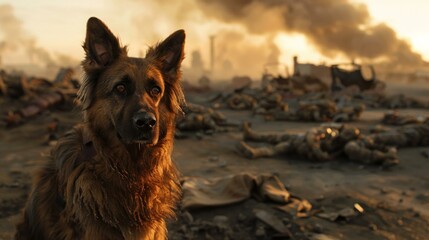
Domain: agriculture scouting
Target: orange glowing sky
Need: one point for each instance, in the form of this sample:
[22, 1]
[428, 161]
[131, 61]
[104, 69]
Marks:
[59, 26]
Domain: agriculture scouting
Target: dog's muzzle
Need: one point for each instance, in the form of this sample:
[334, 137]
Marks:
[144, 120]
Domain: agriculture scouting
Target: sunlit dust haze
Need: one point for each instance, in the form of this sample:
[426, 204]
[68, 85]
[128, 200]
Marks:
[224, 38]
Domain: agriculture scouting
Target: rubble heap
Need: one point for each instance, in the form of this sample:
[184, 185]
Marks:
[381, 100]
[273, 92]
[320, 110]
[331, 141]
[25, 97]
[199, 118]
[397, 119]
[278, 100]
[241, 101]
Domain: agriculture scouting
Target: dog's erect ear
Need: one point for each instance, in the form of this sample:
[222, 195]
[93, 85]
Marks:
[101, 46]
[170, 53]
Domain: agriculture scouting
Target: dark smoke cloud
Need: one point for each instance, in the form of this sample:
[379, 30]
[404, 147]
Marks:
[333, 26]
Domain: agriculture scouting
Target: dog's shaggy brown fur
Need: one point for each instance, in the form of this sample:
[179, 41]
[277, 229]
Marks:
[112, 176]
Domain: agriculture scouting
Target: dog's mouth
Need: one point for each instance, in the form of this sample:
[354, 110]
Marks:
[141, 138]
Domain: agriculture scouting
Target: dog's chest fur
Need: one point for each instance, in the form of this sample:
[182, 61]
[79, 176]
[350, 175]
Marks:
[122, 198]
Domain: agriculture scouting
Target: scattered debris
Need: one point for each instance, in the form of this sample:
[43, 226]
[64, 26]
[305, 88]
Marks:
[199, 192]
[423, 198]
[300, 208]
[271, 221]
[241, 101]
[344, 214]
[200, 118]
[396, 119]
[344, 78]
[296, 98]
[27, 97]
[321, 110]
[358, 207]
[328, 142]
[35, 107]
[381, 100]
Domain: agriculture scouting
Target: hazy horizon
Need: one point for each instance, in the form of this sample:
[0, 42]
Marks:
[248, 34]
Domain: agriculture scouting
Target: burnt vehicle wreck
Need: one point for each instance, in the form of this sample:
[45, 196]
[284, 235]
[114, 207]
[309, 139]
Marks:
[346, 75]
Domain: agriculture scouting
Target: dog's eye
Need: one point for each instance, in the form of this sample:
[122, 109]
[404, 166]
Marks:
[155, 91]
[120, 88]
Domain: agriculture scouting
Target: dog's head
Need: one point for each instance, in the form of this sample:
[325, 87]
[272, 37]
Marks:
[136, 98]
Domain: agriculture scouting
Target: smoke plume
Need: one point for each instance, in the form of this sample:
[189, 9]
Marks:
[13, 38]
[333, 26]
[244, 31]
[236, 54]
[236, 51]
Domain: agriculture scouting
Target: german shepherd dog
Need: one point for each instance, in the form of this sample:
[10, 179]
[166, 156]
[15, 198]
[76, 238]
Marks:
[112, 176]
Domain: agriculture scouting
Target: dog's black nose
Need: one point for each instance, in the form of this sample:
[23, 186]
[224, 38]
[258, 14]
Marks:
[144, 120]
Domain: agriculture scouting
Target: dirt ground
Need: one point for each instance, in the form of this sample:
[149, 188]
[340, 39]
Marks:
[395, 200]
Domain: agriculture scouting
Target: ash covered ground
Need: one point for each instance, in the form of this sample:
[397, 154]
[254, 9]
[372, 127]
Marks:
[340, 198]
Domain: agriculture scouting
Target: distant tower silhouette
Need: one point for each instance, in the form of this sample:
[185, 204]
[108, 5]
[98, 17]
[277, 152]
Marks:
[212, 53]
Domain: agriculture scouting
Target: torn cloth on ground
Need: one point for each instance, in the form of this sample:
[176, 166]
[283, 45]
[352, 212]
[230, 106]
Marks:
[201, 192]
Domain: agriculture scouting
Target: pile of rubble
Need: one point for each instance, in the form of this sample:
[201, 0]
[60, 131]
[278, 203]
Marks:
[319, 110]
[22, 97]
[198, 118]
[396, 119]
[292, 98]
[331, 141]
[381, 100]
[272, 94]
[401, 101]
[318, 107]
[276, 101]
[296, 85]
[241, 101]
